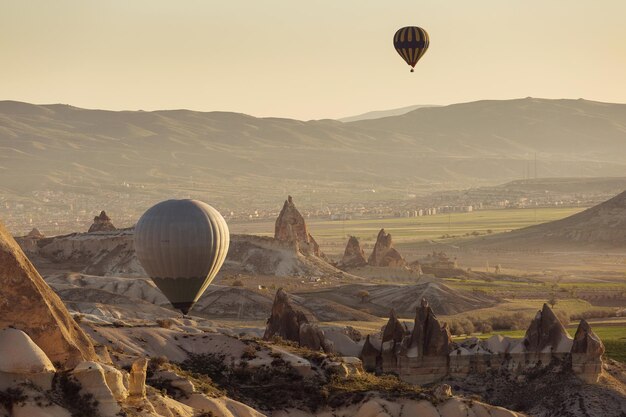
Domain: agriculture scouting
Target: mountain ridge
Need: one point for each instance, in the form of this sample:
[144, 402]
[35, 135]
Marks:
[60, 147]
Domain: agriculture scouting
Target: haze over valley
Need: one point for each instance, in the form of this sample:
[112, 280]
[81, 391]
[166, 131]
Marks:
[74, 162]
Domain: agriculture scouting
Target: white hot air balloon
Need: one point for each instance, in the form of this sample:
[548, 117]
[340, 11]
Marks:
[182, 244]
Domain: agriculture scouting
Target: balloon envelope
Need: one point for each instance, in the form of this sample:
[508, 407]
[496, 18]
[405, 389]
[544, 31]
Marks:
[411, 43]
[182, 244]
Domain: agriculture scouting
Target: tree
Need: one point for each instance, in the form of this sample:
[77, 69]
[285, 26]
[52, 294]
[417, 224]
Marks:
[363, 295]
[552, 300]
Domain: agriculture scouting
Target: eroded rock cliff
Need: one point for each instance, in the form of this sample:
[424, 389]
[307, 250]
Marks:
[27, 303]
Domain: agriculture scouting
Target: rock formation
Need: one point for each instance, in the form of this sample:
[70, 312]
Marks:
[546, 333]
[35, 234]
[438, 264]
[29, 243]
[370, 356]
[393, 334]
[353, 256]
[384, 253]
[429, 337]
[587, 351]
[93, 380]
[137, 379]
[291, 323]
[291, 227]
[27, 303]
[394, 331]
[102, 223]
[427, 354]
[424, 355]
[21, 360]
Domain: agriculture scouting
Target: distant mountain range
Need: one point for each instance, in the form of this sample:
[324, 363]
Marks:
[383, 113]
[235, 160]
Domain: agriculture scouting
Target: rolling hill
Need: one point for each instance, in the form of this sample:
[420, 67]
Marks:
[600, 227]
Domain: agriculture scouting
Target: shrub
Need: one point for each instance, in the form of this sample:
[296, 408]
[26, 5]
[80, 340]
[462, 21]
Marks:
[363, 295]
[166, 387]
[237, 283]
[66, 392]
[483, 327]
[158, 361]
[595, 314]
[514, 321]
[12, 397]
[249, 352]
[281, 386]
[461, 326]
[552, 300]
[165, 323]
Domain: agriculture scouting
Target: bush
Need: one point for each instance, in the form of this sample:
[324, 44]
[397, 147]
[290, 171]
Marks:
[281, 386]
[165, 323]
[461, 326]
[514, 321]
[363, 295]
[483, 327]
[66, 392]
[595, 314]
[237, 283]
[158, 361]
[249, 352]
[12, 397]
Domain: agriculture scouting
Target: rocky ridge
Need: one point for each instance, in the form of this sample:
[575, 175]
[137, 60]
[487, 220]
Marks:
[427, 354]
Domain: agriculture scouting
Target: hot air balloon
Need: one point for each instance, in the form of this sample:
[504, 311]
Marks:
[411, 43]
[182, 244]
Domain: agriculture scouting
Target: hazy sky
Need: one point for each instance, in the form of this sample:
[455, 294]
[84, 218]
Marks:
[306, 59]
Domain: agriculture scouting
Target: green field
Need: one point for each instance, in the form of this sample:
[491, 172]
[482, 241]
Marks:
[509, 287]
[433, 227]
[613, 337]
[412, 229]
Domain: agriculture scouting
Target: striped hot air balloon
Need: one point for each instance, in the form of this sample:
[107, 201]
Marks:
[182, 244]
[411, 43]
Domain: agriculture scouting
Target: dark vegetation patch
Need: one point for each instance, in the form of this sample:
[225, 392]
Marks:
[552, 390]
[12, 397]
[202, 382]
[66, 392]
[280, 385]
